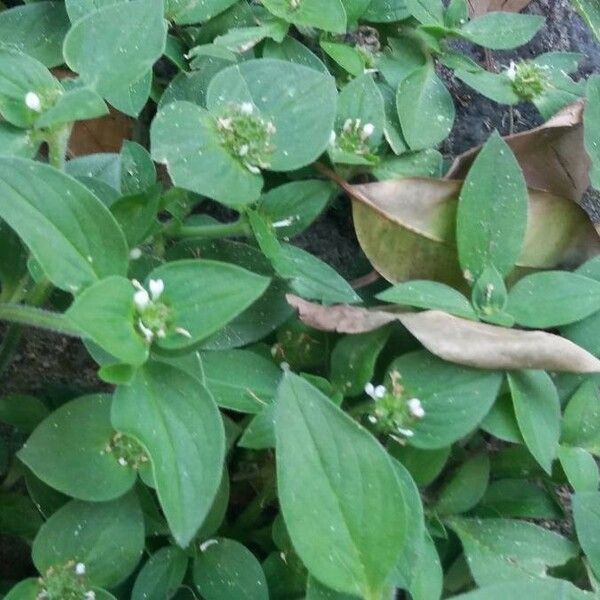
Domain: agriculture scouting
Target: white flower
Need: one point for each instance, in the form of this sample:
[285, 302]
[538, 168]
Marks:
[416, 408]
[79, 569]
[375, 392]
[141, 298]
[207, 544]
[90, 595]
[122, 461]
[367, 131]
[380, 391]
[247, 108]
[157, 287]
[405, 432]
[135, 254]
[243, 151]
[147, 332]
[283, 223]
[511, 72]
[347, 128]
[332, 138]
[252, 168]
[270, 128]
[372, 419]
[183, 332]
[33, 102]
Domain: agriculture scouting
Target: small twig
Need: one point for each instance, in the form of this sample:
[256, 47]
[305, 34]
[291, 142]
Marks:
[365, 280]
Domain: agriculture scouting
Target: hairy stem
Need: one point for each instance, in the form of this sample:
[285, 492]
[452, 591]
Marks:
[58, 142]
[37, 317]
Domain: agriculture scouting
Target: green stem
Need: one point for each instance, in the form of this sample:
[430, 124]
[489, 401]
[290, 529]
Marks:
[37, 317]
[238, 228]
[58, 142]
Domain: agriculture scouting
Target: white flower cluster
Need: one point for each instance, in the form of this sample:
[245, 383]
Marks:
[353, 137]
[143, 299]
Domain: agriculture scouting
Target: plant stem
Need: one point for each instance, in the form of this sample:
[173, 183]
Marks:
[37, 317]
[58, 142]
[236, 229]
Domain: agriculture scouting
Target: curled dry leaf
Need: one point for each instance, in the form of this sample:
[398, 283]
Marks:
[458, 340]
[480, 7]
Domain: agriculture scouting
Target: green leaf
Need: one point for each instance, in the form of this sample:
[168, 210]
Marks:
[506, 550]
[136, 214]
[299, 101]
[77, 104]
[68, 451]
[355, 9]
[581, 421]
[455, 398]
[386, 11]
[591, 121]
[78, 9]
[501, 30]
[519, 498]
[294, 51]
[70, 233]
[116, 45]
[400, 58]
[580, 467]
[186, 12]
[349, 58]
[590, 11]
[546, 589]
[226, 569]
[36, 29]
[17, 142]
[161, 576]
[132, 98]
[353, 360]
[19, 75]
[22, 412]
[203, 296]
[329, 16]
[138, 172]
[107, 537]
[537, 409]
[294, 206]
[553, 298]
[496, 86]
[428, 12]
[430, 295]
[19, 516]
[179, 425]
[240, 380]
[425, 108]
[586, 514]
[466, 487]
[492, 211]
[424, 466]
[317, 591]
[105, 313]
[338, 490]
[27, 589]
[501, 421]
[185, 138]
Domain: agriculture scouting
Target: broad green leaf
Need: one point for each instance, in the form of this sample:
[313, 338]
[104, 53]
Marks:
[496, 86]
[591, 120]
[292, 207]
[537, 409]
[22, 412]
[203, 296]
[386, 11]
[242, 39]
[28, 589]
[70, 233]
[293, 51]
[424, 466]
[239, 380]
[427, 12]
[355, 9]
[299, 101]
[329, 16]
[36, 29]
[590, 11]
[501, 30]
[185, 138]
[501, 421]
[138, 172]
[260, 433]
[226, 569]
[581, 421]
[19, 516]
[339, 493]
[104, 167]
[160, 577]
[17, 142]
[77, 104]
[392, 130]
[317, 591]
[71, 451]
[492, 211]
[136, 214]
[543, 589]
[19, 75]
[430, 295]
[186, 12]
[455, 398]
[466, 487]
[116, 45]
[399, 59]
[78, 9]
[349, 58]
[427, 577]
[457, 13]
[425, 108]
[107, 537]
[132, 98]
[519, 498]
[586, 513]
[105, 313]
[177, 422]
[506, 550]
[353, 360]
[580, 467]
[553, 298]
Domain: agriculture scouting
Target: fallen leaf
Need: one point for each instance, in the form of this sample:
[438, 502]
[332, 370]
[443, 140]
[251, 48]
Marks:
[457, 340]
[552, 156]
[406, 227]
[480, 7]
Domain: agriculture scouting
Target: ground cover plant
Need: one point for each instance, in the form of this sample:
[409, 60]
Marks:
[262, 427]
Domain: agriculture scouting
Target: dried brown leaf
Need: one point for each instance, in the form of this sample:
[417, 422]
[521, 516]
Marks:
[458, 340]
[480, 7]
